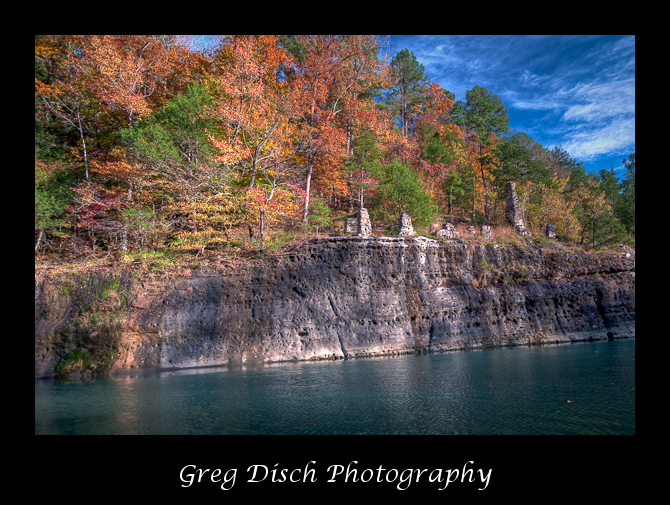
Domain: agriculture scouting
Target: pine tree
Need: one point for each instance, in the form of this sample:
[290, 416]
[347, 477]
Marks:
[484, 115]
[408, 87]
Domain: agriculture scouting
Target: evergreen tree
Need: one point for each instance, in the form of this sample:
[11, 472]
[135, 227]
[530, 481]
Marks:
[484, 115]
[364, 164]
[435, 151]
[627, 207]
[518, 160]
[400, 190]
[52, 196]
[409, 82]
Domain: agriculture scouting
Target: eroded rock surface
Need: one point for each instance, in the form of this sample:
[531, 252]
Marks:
[349, 297]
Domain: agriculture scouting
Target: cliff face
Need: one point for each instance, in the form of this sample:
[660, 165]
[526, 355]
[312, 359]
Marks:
[346, 297]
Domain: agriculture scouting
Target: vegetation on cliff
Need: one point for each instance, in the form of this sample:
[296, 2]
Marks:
[151, 153]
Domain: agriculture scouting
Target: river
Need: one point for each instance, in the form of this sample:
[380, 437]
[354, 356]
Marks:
[580, 388]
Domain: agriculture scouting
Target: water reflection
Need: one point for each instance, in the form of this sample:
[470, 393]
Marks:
[579, 388]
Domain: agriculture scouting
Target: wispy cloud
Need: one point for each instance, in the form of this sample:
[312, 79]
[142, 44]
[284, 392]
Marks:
[588, 143]
[601, 100]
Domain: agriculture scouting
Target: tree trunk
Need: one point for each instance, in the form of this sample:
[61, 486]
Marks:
[481, 164]
[81, 134]
[253, 169]
[308, 181]
[474, 193]
[124, 233]
[262, 229]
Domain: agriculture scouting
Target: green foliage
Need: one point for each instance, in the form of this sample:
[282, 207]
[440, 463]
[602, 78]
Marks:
[542, 240]
[599, 227]
[482, 113]
[364, 164]
[485, 265]
[175, 136]
[86, 362]
[400, 190]
[434, 150]
[520, 160]
[319, 213]
[408, 87]
[51, 200]
[626, 209]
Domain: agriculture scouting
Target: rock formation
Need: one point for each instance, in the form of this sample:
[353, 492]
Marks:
[551, 233]
[486, 231]
[405, 228]
[513, 214]
[449, 231]
[364, 223]
[342, 297]
[472, 230]
[630, 253]
[350, 225]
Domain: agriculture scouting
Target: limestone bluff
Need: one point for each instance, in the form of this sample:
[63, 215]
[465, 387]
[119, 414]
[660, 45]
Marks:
[345, 297]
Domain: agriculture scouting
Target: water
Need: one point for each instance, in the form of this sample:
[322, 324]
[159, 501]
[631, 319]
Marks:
[582, 388]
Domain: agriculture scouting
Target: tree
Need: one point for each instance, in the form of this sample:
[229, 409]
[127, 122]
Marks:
[517, 160]
[407, 90]
[400, 190]
[179, 161]
[594, 213]
[51, 200]
[627, 207]
[65, 88]
[334, 71]
[257, 113]
[364, 164]
[484, 116]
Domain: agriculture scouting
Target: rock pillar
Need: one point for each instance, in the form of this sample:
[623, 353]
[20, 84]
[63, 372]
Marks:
[551, 233]
[486, 231]
[350, 225]
[513, 214]
[364, 223]
[405, 228]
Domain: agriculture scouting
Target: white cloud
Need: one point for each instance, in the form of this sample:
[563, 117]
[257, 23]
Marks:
[600, 101]
[587, 142]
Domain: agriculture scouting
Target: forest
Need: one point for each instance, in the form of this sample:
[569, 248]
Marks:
[151, 145]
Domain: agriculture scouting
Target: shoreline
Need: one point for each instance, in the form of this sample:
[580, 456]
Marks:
[137, 372]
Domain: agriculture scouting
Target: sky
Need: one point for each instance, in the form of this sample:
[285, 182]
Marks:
[573, 91]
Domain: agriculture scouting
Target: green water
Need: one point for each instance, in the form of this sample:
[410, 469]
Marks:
[582, 388]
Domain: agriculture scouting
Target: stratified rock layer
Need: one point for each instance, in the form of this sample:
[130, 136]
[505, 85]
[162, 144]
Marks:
[351, 297]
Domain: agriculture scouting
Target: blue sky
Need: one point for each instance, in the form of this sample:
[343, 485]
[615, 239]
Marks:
[576, 91]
